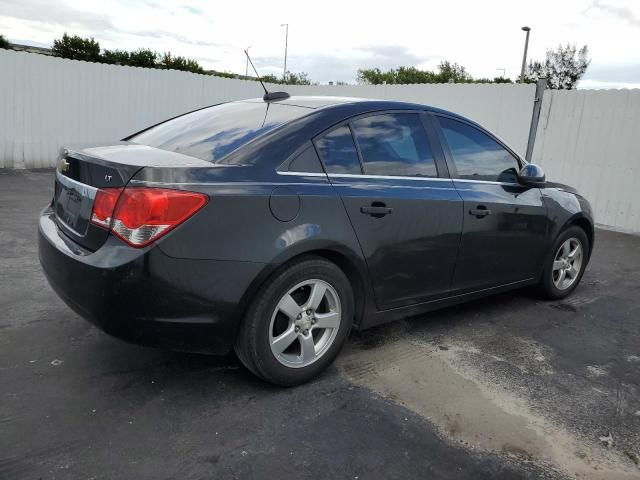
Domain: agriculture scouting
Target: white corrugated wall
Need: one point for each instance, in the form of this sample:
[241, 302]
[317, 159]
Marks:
[585, 138]
[46, 102]
[589, 139]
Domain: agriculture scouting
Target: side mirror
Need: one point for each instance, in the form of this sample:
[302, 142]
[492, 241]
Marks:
[532, 175]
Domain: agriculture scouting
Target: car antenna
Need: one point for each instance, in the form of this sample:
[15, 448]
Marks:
[268, 96]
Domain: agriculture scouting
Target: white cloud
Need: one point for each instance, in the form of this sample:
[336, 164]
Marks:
[332, 39]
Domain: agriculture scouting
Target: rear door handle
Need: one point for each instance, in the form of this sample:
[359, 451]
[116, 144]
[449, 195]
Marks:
[377, 210]
[480, 212]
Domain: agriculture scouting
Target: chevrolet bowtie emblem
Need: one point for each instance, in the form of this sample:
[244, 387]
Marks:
[64, 165]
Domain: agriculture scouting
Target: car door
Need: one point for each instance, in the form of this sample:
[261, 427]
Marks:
[390, 173]
[504, 229]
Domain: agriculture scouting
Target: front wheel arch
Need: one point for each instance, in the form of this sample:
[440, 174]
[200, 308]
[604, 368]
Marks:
[586, 225]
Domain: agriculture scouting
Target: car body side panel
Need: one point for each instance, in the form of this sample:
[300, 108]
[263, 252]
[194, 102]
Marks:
[411, 252]
[242, 222]
[504, 246]
[565, 206]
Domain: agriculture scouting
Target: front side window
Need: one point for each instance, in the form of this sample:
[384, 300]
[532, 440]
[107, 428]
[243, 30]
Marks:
[394, 144]
[338, 152]
[476, 155]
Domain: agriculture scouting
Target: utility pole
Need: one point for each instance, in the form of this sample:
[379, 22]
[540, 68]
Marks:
[246, 68]
[286, 41]
[524, 56]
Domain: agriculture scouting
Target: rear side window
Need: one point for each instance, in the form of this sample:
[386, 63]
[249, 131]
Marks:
[212, 133]
[338, 152]
[476, 155]
[306, 161]
[394, 144]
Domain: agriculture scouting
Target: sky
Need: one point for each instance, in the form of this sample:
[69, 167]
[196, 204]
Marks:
[331, 39]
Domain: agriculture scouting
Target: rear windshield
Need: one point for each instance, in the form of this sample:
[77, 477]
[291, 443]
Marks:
[214, 132]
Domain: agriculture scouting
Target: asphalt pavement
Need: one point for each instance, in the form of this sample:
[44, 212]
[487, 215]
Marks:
[506, 387]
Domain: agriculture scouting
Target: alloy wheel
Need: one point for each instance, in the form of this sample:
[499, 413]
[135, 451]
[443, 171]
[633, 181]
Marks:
[305, 323]
[567, 264]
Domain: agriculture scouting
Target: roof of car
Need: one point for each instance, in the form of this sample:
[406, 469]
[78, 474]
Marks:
[318, 102]
[312, 102]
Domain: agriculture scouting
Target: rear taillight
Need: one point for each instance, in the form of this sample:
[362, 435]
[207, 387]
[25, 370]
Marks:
[141, 215]
[103, 206]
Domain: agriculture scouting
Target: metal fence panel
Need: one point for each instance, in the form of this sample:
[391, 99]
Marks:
[47, 102]
[588, 139]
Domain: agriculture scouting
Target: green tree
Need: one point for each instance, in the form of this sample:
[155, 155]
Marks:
[143, 57]
[77, 48]
[4, 43]
[446, 72]
[375, 76]
[452, 73]
[180, 63]
[116, 57]
[562, 67]
[502, 80]
[301, 78]
[270, 78]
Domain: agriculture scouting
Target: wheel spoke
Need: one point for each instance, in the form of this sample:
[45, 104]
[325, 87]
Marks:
[282, 341]
[315, 297]
[289, 307]
[328, 320]
[574, 252]
[566, 249]
[557, 265]
[561, 276]
[308, 348]
[570, 273]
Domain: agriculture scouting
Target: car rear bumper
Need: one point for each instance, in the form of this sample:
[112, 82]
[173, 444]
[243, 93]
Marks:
[143, 295]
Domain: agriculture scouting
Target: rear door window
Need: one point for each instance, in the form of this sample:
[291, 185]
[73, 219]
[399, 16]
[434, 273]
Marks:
[212, 133]
[338, 152]
[394, 144]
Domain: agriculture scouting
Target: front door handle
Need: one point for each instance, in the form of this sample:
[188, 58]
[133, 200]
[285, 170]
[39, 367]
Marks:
[376, 210]
[480, 212]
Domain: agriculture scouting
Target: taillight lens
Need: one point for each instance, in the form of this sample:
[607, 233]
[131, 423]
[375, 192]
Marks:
[143, 215]
[103, 206]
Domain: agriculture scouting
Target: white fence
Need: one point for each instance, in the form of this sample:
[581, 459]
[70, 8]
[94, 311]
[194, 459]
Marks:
[46, 102]
[585, 138]
[590, 139]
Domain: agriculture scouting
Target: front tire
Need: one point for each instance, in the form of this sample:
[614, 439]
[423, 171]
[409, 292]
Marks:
[297, 323]
[566, 264]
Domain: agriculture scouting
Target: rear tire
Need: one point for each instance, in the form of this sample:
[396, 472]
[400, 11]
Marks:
[297, 323]
[565, 264]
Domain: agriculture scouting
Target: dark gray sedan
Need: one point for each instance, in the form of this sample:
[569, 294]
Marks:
[275, 226]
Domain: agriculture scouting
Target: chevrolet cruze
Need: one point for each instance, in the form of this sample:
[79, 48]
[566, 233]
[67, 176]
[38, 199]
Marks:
[273, 227]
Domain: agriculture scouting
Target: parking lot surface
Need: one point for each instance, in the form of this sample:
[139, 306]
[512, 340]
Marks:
[507, 387]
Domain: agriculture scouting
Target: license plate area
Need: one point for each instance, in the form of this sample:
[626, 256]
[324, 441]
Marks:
[73, 204]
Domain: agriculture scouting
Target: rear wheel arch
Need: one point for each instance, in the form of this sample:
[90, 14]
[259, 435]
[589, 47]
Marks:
[348, 266]
[254, 343]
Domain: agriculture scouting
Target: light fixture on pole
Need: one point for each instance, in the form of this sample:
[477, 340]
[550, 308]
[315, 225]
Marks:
[286, 41]
[524, 56]
[246, 68]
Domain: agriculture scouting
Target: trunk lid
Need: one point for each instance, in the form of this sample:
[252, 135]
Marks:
[82, 170]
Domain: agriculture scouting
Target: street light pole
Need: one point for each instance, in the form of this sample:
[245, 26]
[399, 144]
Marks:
[286, 41]
[524, 56]
[246, 68]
